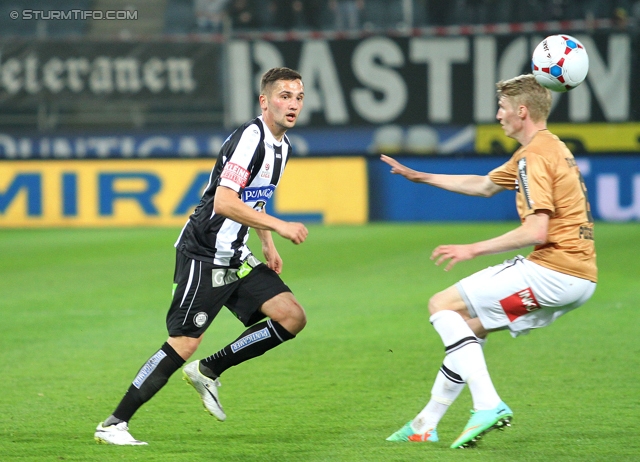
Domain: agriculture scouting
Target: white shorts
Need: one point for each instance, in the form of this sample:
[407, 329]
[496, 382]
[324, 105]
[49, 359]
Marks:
[521, 295]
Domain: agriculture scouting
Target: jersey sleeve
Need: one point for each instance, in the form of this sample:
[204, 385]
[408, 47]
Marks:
[235, 173]
[505, 175]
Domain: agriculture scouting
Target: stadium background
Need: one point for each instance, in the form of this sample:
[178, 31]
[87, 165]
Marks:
[109, 125]
[117, 122]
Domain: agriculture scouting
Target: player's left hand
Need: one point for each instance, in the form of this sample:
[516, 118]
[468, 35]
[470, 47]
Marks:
[273, 259]
[454, 253]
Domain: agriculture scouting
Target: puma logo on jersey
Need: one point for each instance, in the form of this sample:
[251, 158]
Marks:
[263, 193]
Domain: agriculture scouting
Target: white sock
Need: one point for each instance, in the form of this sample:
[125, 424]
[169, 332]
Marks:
[466, 356]
[429, 417]
[446, 388]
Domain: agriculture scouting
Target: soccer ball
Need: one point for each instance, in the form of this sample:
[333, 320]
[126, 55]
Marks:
[560, 63]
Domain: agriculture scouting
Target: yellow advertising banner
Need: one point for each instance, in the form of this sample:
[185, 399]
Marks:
[335, 187]
[165, 192]
[580, 138]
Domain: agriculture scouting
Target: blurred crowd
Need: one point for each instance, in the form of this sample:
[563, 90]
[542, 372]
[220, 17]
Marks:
[213, 15]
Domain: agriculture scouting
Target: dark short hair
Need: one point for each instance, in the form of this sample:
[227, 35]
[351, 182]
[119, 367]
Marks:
[275, 74]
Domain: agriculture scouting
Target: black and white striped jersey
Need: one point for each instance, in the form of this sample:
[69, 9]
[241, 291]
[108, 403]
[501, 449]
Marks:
[250, 162]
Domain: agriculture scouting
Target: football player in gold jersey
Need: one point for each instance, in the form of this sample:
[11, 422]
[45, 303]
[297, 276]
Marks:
[521, 294]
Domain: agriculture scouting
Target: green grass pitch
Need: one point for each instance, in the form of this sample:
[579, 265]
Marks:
[81, 310]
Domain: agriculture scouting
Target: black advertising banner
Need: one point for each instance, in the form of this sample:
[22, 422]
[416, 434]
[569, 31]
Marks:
[434, 80]
[368, 81]
[88, 76]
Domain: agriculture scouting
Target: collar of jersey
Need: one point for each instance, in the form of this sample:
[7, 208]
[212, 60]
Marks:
[269, 136]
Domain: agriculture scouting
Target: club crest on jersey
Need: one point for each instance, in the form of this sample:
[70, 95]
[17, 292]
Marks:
[266, 173]
[260, 193]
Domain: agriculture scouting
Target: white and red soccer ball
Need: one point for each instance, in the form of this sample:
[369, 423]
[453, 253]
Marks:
[560, 63]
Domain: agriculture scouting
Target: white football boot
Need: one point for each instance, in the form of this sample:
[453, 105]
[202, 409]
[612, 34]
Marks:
[116, 434]
[207, 388]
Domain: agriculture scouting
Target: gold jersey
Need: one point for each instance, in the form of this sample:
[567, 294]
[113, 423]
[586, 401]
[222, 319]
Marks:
[546, 177]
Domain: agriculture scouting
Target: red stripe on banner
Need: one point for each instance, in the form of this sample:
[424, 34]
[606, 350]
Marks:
[548, 27]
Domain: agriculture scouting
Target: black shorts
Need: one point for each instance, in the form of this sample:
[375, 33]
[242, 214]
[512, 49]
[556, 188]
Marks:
[201, 289]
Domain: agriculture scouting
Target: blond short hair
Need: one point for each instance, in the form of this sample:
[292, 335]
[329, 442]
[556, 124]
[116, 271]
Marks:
[524, 90]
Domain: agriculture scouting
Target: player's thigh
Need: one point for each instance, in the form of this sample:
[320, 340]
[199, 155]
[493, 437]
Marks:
[260, 286]
[521, 295]
[196, 299]
[448, 299]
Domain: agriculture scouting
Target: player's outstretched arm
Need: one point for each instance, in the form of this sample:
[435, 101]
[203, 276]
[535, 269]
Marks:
[398, 169]
[471, 185]
[228, 203]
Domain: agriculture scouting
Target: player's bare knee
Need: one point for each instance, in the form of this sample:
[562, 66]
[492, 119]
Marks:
[437, 303]
[293, 318]
[300, 318]
[286, 311]
[184, 346]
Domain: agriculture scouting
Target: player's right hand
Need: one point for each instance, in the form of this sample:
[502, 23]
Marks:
[295, 232]
[398, 169]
